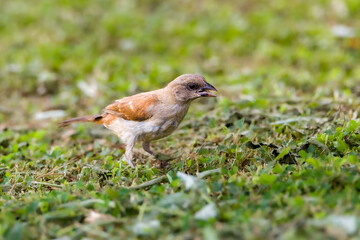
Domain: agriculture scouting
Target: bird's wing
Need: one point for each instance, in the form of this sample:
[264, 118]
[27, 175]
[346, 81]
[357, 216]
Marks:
[135, 108]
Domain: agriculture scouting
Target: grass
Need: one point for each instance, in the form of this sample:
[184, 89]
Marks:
[275, 156]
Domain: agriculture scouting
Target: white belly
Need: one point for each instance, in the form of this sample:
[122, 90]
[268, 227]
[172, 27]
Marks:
[142, 130]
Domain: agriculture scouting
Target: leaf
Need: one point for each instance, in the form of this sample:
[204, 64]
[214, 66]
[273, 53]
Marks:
[251, 145]
[163, 157]
[16, 232]
[352, 126]
[207, 212]
[283, 153]
[341, 146]
[267, 179]
[314, 162]
[277, 169]
[303, 154]
[190, 181]
[146, 227]
[94, 216]
[239, 123]
[61, 214]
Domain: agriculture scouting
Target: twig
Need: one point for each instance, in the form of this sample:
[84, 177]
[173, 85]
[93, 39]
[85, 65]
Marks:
[148, 183]
[208, 172]
[47, 184]
[160, 179]
[300, 119]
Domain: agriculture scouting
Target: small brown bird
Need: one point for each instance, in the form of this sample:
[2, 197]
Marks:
[151, 115]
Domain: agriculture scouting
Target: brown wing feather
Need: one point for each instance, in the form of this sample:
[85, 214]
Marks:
[135, 108]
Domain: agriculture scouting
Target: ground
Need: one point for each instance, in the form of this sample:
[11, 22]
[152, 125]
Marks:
[274, 156]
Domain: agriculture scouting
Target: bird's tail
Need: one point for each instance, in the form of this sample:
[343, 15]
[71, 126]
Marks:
[94, 118]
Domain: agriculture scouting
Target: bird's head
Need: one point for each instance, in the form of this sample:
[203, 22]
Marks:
[188, 87]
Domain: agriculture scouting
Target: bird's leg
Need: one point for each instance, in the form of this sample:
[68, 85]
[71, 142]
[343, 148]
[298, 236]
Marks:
[129, 153]
[146, 147]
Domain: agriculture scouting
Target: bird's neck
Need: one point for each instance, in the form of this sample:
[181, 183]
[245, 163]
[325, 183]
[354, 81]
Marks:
[173, 96]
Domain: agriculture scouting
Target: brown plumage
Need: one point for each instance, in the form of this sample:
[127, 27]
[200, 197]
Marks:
[134, 108]
[151, 115]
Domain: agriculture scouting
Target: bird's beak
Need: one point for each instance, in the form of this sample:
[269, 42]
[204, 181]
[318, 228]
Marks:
[207, 91]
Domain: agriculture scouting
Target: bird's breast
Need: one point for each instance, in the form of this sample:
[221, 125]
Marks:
[166, 122]
[162, 124]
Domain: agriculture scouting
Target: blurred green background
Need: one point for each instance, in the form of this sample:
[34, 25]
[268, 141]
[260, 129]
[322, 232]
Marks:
[81, 55]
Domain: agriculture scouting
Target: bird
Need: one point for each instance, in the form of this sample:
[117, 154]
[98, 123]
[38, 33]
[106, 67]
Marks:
[150, 116]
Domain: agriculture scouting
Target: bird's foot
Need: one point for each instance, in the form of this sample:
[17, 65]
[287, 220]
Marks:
[130, 163]
[128, 160]
[146, 147]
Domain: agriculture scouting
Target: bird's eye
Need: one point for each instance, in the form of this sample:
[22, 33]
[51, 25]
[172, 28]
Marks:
[192, 86]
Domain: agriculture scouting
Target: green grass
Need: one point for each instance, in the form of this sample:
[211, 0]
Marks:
[283, 135]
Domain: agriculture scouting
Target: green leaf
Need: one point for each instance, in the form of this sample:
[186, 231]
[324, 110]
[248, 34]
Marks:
[341, 146]
[17, 231]
[277, 169]
[303, 154]
[297, 201]
[239, 123]
[352, 126]
[314, 162]
[283, 153]
[267, 179]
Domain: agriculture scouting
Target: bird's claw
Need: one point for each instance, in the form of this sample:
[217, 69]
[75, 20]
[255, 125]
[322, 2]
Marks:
[130, 163]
